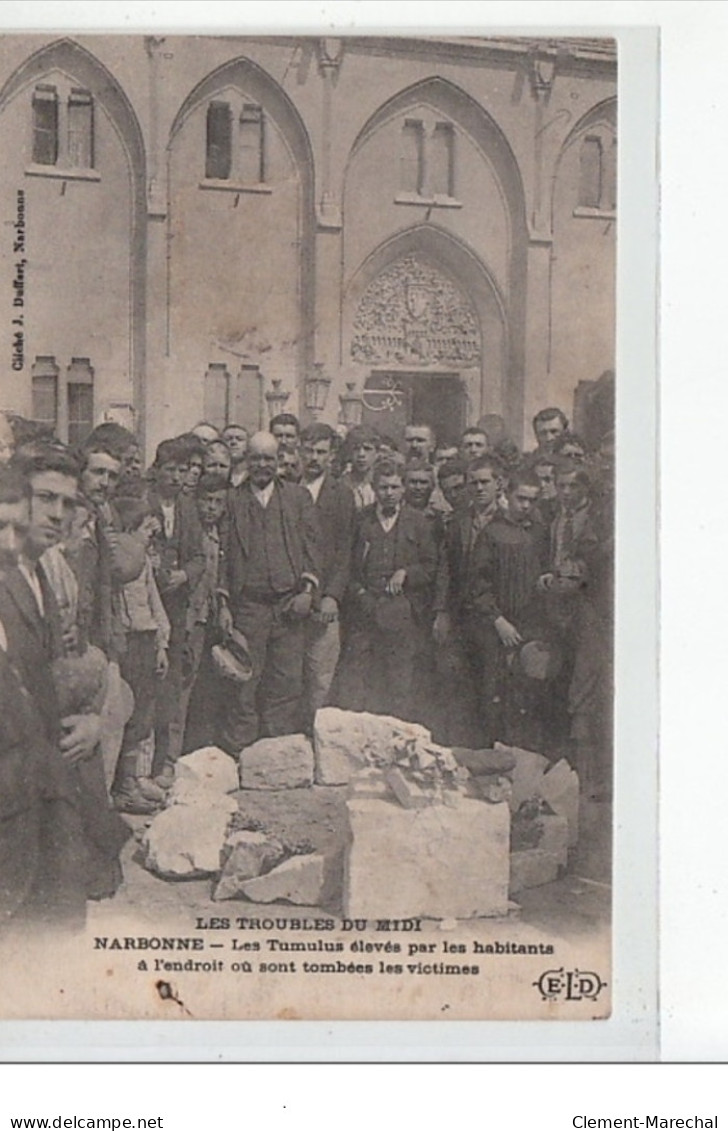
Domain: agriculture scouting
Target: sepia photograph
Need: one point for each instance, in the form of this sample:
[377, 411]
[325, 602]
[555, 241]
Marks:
[307, 464]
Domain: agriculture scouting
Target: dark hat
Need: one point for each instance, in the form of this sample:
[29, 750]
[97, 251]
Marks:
[393, 614]
[232, 659]
[540, 659]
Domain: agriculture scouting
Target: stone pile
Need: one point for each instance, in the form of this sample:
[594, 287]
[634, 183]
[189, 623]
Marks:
[184, 841]
[400, 827]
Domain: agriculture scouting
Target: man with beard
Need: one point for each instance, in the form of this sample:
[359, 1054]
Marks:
[270, 573]
[334, 504]
[56, 795]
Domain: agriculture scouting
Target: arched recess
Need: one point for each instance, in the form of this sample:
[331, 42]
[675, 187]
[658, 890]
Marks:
[82, 66]
[603, 114]
[583, 266]
[473, 118]
[467, 261]
[247, 76]
[487, 379]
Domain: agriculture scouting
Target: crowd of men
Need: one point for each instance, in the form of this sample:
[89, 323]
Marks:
[240, 583]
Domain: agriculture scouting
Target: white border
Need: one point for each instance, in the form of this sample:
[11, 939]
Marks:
[631, 1033]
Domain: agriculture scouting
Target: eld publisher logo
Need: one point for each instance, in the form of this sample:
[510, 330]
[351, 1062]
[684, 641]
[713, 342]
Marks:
[569, 985]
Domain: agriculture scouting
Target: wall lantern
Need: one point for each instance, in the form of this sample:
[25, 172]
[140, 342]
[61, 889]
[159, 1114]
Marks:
[316, 390]
[276, 398]
[352, 406]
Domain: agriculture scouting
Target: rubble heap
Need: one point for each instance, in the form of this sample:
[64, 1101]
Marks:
[373, 819]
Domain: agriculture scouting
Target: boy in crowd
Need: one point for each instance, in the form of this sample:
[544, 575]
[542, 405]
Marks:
[520, 553]
[194, 456]
[466, 602]
[202, 684]
[143, 664]
[236, 437]
[473, 443]
[362, 445]
[218, 460]
[178, 546]
[419, 482]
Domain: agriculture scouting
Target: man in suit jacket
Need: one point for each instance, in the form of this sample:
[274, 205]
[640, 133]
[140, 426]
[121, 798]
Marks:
[59, 837]
[179, 565]
[466, 601]
[336, 512]
[269, 577]
[393, 574]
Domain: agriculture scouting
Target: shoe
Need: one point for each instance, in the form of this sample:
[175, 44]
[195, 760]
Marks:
[165, 779]
[130, 799]
[151, 790]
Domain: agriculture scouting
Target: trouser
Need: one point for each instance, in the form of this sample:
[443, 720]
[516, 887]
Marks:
[170, 710]
[270, 703]
[485, 656]
[322, 649]
[206, 694]
[44, 877]
[139, 669]
[380, 673]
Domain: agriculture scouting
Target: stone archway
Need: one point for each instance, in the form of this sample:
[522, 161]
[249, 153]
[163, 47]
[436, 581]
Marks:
[426, 334]
[418, 333]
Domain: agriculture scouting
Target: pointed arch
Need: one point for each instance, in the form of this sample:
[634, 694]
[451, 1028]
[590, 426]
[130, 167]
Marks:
[82, 65]
[602, 114]
[248, 76]
[473, 118]
[499, 386]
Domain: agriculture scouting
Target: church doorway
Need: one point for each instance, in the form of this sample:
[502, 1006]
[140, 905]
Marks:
[393, 399]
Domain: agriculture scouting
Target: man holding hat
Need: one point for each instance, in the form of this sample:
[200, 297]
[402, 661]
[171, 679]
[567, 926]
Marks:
[269, 574]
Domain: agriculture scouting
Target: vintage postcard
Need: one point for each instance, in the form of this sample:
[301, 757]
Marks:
[307, 583]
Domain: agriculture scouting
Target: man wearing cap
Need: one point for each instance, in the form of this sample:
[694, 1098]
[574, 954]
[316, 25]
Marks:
[269, 575]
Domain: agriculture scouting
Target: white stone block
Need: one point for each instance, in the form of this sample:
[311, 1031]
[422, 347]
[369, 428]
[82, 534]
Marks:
[347, 741]
[299, 880]
[277, 763]
[560, 788]
[208, 770]
[437, 863]
[186, 841]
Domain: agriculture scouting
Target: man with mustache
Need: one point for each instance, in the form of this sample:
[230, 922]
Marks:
[335, 510]
[269, 575]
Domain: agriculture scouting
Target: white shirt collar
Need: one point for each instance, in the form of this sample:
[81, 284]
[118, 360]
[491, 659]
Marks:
[314, 486]
[30, 575]
[264, 494]
[387, 521]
